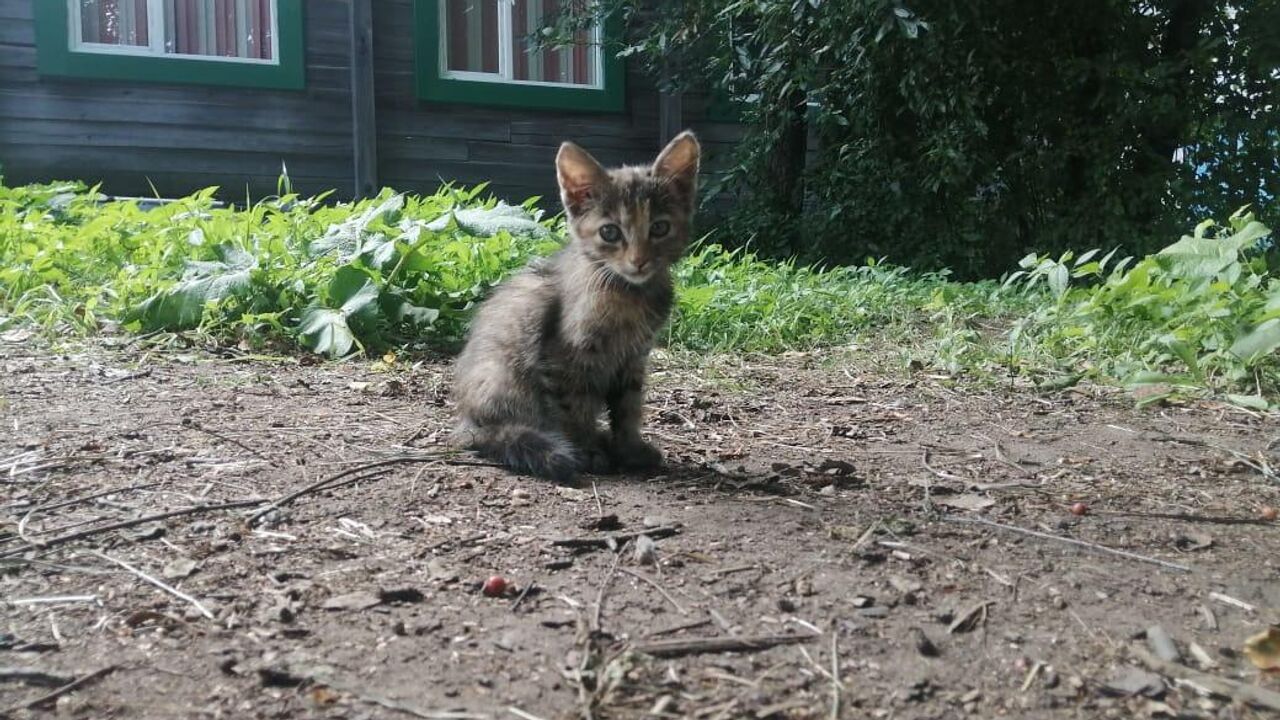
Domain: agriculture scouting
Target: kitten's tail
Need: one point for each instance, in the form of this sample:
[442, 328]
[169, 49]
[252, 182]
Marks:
[522, 448]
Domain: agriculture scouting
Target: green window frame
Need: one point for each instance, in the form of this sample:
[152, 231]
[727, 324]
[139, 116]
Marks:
[433, 85]
[56, 57]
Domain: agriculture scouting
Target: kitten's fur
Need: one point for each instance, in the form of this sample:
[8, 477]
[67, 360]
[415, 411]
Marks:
[569, 336]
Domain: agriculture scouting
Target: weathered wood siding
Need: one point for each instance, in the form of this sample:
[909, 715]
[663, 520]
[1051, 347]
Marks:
[181, 138]
[421, 143]
[130, 135]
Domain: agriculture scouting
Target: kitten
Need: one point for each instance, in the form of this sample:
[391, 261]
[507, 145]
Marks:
[569, 336]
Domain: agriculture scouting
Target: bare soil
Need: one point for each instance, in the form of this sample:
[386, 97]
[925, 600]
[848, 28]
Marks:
[828, 498]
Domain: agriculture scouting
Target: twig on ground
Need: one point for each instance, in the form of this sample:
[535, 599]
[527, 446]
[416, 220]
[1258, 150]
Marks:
[521, 713]
[1187, 517]
[656, 586]
[604, 588]
[924, 460]
[1233, 689]
[128, 376]
[1234, 602]
[325, 483]
[32, 676]
[189, 423]
[71, 537]
[52, 599]
[59, 692]
[93, 496]
[1000, 457]
[680, 647]
[835, 676]
[599, 506]
[158, 583]
[677, 628]
[1069, 541]
[523, 594]
[616, 538]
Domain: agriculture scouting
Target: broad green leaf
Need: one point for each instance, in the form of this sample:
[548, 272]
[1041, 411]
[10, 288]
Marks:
[181, 306]
[484, 222]
[1255, 402]
[326, 331]
[1059, 276]
[352, 290]
[1261, 340]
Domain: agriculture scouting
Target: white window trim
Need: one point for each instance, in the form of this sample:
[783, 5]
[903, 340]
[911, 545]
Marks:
[155, 37]
[506, 60]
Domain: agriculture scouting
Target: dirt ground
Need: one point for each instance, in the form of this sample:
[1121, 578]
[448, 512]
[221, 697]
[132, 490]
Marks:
[817, 512]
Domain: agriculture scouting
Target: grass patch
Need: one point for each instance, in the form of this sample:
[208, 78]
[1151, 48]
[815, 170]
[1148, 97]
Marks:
[1201, 316]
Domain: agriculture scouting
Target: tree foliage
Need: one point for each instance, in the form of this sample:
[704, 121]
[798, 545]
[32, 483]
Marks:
[964, 134]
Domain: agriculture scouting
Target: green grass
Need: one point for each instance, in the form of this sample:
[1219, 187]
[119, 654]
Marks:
[291, 274]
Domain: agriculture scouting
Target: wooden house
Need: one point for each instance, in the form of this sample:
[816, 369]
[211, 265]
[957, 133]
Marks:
[168, 96]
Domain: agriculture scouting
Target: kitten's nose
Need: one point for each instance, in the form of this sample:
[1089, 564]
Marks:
[640, 265]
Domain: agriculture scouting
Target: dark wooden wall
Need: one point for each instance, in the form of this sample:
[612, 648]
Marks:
[420, 143]
[182, 138]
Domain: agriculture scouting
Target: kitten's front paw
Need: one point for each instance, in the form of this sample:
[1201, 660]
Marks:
[594, 456]
[598, 461]
[637, 455]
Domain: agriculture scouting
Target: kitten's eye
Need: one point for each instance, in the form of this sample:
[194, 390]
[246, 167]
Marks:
[660, 228]
[610, 233]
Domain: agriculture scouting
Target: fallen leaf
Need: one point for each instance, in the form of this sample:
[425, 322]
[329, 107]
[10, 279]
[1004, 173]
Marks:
[323, 695]
[436, 570]
[1191, 541]
[1132, 682]
[178, 569]
[401, 595]
[966, 501]
[353, 601]
[971, 618]
[1263, 649]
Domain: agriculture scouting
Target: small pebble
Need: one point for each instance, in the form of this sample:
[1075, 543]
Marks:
[646, 551]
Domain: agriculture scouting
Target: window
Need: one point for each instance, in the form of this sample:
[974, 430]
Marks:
[479, 51]
[248, 43]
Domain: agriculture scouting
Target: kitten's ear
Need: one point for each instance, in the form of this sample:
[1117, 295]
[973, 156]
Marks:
[678, 161]
[579, 175]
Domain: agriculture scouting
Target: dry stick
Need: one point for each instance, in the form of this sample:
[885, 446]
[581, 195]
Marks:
[1243, 692]
[680, 647]
[1069, 541]
[677, 628]
[618, 538]
[835, 677]
[656, 586]
[322, 484]
[158, 583]
[523, 594]
[71, 537]
[924, 460]
[604, 587]
[1187, 517]
[59, 692]
[94, 496]
[189, 423]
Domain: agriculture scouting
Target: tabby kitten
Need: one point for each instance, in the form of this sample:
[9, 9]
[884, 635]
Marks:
[569, 336]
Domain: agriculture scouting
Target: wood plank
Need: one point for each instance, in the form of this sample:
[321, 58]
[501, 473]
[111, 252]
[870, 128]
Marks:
[89, 162]
[364, 120]
[144, 108]
[179, 137]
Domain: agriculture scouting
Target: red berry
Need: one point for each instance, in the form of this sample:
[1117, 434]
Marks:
[495, 586]
[1079, 509]
[1268, 513]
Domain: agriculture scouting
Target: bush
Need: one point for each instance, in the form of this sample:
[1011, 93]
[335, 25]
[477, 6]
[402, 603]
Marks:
[1202, 316]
